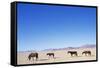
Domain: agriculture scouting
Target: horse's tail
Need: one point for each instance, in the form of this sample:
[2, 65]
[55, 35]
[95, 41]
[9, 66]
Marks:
[83, 53]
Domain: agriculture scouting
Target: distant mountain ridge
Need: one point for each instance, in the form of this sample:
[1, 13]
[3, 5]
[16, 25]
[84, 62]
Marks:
[66, 48]
[88, 46]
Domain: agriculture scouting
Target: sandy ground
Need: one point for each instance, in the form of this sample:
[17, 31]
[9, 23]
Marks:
[60, 56]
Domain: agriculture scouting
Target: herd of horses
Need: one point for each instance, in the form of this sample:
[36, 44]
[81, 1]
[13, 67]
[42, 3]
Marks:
[72, 53]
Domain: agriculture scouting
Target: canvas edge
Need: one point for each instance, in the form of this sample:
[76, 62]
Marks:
[14, 32]
[13, 51]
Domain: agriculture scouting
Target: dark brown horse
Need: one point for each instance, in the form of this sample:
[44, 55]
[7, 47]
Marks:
[72, 53]
[33, 55]
[86, 53]
[50, 54]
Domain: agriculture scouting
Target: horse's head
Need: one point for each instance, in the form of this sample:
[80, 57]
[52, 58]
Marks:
[68, 52]
[29, 57]
[47, 53]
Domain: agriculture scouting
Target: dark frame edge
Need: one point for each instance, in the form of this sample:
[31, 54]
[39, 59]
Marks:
[60, 4]
[13, 55]
[96, 33]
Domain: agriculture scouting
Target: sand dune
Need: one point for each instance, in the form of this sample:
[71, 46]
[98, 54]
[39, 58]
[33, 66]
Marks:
[60, 56]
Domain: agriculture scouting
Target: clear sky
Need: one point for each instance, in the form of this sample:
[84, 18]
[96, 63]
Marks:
[45, 26]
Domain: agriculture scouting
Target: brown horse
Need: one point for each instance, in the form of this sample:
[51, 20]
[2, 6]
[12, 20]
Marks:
[50, 54]
[72, 53]
[86, 53]
[32, 55]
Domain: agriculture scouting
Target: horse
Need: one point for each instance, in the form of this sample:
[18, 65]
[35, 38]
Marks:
[50, 54]
[86, 52]
[32, 55]
[72, 53]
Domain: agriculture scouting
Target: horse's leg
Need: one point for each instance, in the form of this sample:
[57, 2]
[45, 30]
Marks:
[89, 54]
[71, 54]
[82, 53]
[53, 56]
[76, 54]
[49, 56]
[36, 58]
[85, 54]
[33, 59]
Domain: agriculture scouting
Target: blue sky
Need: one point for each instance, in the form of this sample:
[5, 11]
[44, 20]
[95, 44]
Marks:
[42, 27]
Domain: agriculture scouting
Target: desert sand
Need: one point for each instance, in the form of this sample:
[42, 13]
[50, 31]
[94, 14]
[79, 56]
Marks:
[60, 56]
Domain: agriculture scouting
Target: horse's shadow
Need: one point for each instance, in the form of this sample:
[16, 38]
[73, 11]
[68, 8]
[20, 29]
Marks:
[42, 59]
[46, 59]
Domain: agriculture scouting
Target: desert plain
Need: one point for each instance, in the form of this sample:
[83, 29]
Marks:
[59, 56]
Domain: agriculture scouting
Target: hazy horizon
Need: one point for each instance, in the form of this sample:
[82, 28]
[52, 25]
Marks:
[42, 27]
[59, 48]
